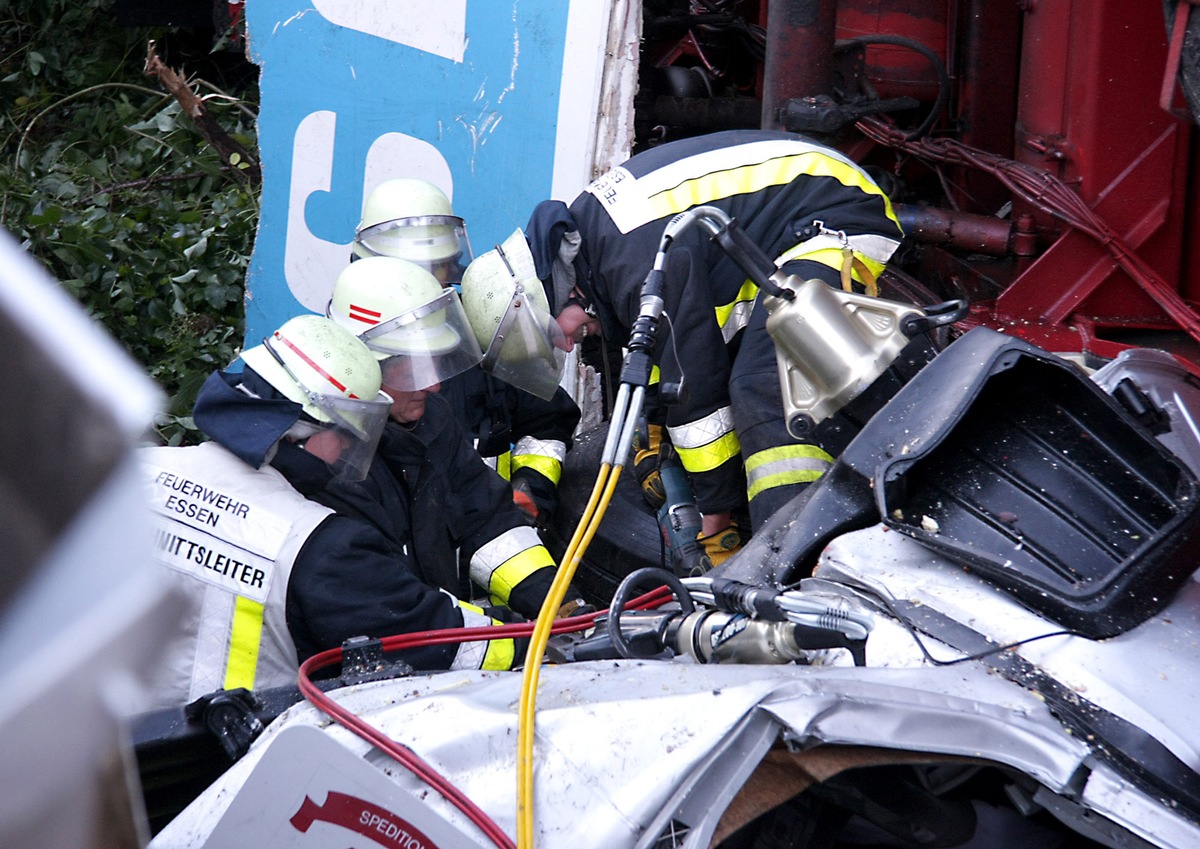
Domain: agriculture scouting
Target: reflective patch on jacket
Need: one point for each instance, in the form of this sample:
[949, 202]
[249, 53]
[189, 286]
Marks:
[872, 249]
[482, 654]
[785, 465]
[706, 443]
[544, 456]
[732, 317]
[504, 562]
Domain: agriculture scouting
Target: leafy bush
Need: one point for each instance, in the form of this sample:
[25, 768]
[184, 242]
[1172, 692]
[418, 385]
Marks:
[110, 186]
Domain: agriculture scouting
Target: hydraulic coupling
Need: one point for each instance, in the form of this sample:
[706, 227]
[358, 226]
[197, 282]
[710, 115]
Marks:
[714, 636]
[738, 623]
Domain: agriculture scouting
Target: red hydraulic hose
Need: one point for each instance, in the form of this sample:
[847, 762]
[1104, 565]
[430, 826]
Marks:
[401, 753]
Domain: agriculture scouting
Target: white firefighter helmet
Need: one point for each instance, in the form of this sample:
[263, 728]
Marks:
[411, 219]
[334, 377]
[401, 311]
[510, 315]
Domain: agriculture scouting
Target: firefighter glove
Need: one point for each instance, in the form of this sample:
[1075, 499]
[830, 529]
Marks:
[523, 498]
[647, 462]
[722, 545]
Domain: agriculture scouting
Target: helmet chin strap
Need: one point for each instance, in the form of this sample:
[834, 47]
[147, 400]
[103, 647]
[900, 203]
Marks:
[580, 300]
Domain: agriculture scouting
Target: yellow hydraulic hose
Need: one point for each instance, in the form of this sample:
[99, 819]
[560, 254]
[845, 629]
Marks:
[589, 522]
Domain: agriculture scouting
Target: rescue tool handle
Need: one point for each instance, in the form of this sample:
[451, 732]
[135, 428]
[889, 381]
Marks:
[743, 250]
[937, 315]
[641, 634]
[750, 258]
[812, 638]
[624, 590]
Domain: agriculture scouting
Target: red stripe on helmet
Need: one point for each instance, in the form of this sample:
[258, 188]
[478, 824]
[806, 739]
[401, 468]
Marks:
[364, 315]
[341, 387]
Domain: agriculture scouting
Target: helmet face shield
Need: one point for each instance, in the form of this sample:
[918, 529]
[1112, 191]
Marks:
[413, 373]
[435, 341]
[362, 420]
[358, 426]
[524, 349]
[357, 423]
[437, 243]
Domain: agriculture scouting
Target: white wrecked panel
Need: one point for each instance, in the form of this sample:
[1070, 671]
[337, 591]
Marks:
[434, 26]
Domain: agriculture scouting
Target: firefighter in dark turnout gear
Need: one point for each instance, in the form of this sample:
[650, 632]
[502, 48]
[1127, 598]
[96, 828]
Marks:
[808, 206]
[307, 539]
[420, 333]
[524, 437]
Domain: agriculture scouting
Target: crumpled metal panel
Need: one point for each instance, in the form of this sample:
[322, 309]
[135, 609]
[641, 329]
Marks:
[1145, 676]
[1151, 819]
[957, 711]
[615, 741]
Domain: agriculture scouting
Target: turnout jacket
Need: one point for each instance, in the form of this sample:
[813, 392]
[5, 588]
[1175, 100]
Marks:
[803, 203]
[229, 534]
[447, 501]
[535, 434]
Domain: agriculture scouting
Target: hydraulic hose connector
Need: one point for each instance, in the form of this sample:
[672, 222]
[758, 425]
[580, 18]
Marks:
[639, 360]
[714, 636]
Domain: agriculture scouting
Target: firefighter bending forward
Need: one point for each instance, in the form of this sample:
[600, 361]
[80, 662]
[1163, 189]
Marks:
[816, 212]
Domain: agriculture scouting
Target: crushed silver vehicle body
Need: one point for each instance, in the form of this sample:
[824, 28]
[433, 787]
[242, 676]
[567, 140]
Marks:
[632, 751]
[933, 642]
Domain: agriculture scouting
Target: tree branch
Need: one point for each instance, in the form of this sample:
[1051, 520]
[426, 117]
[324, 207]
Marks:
[242, 163]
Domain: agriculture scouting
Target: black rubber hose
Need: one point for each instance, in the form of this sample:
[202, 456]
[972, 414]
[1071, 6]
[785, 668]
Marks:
[938, 65]
[621, 598]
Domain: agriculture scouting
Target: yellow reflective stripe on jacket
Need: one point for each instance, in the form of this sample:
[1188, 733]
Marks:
[706, 443]
[785, 465]
[544, 456]
[244, 640]
[733, 316]
[872, 250]
[545, 466]
[833, 258]
[502, 463]
[655, 375]
[746, 179]
[713, 175]
[499, 655]
[482, 654]
[504, 562]
[710, 456]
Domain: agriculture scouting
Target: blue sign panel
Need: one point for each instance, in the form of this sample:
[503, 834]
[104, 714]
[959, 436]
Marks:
[468, 95]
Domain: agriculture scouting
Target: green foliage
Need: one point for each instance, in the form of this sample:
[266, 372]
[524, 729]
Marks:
[109, 185]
